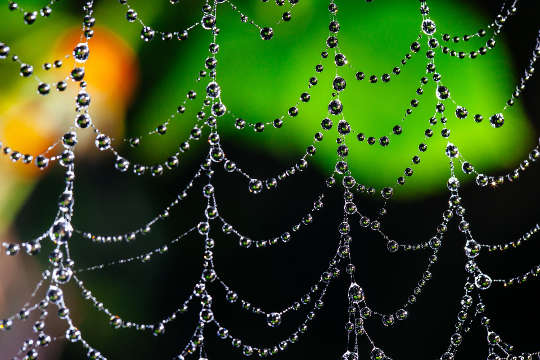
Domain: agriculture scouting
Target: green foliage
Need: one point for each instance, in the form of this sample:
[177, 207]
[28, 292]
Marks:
[260, 81]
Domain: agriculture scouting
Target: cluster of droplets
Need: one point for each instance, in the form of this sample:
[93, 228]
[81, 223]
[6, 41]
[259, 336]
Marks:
[148, 33]
[266, 32]
[397, 130]
[497, 25]
[27, 70]
[60, 271]
[206, 22]
[246, 241]
[30, 16]
[497, 120]
[516, 243]
[492, 181]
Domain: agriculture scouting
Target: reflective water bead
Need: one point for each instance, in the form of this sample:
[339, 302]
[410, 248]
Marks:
[40, 324]
[206, 315]
[482, 281]
[247, 350]
[461, 112]
[218, 109]
[62, 275]
[131, 15]
[65, 201]
[217, 154]
[273, 319]
[208, 22]
[61, 231]
[344, 228]
[231, 297]
[33, 248]
[326, 124]
[83, 99]
[12, 249]
[340, 59]
[339, 83]
[442, 92]
[402, 314]
[54, 294]
[73, 334]
[493, 338]
[147, 34]
[4, 50]
[203, 228]
[447, 356]
[67, 157]
[377, 354]
[415, 47]
[392, 246]
[497, 120]
[534, 155]
[69, 139]
[454, 200]
[26, 70]
[453, 183]
[471, 267]
[293, 111]
[388, 320]
[223, 333]
[429, 27]
[6, 324]
[121, 164]
[230, 166]
[43, 89]
[267, 33]
[349, 182]
[211, 212]
[343, 127]
[349, 355]
[208, 275]
[159, 329]
[213, 48]
[255, 186]
[387, 192]
[452, 151]
[83, 121]
[61, 85]
[356, 293]
[213, 90]
[81, 52]
[245, 242]
[213, 138]
[467, 168]
[456, 339]
[43, 340]
[30, 17]
[341, 167]
[481, 180]
[472, 249]
[103, 142]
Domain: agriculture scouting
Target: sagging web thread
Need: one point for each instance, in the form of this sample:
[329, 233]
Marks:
[63, 268]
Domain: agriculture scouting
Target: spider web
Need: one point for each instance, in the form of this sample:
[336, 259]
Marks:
[49, 298]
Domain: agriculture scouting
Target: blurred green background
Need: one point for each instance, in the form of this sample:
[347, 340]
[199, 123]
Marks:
[137, 85]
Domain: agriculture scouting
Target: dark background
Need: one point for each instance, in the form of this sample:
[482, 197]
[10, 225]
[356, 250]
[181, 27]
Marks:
[274, 277]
